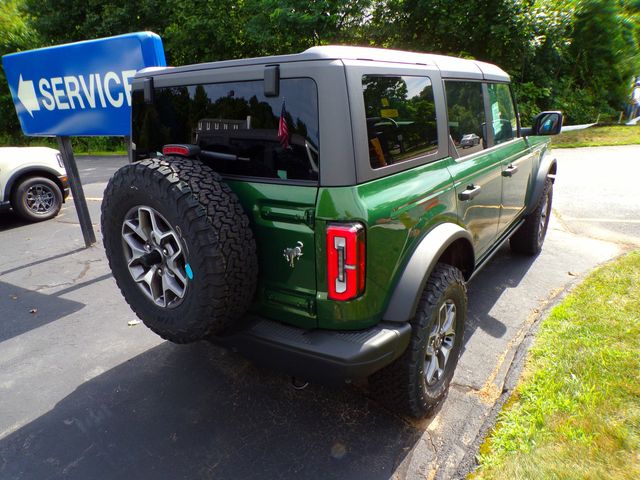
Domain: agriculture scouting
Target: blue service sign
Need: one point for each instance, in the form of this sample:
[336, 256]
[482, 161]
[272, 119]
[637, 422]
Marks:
[80, 89]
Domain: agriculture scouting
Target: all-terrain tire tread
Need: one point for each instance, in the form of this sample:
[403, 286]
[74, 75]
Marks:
[214, 309]
[397, 386]
[231, 225]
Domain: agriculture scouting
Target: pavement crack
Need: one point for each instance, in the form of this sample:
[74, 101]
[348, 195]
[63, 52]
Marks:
[433, 444]
[86, 266]
[464, 387]
[85, 270]
[563, 224]
[623, 241]
[77, 461]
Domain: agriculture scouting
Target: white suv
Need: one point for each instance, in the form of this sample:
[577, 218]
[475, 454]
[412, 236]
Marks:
[33, 181]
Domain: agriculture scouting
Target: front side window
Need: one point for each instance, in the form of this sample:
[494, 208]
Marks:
[503, 113]
[401, 118]
[239, 130]
[467, 123]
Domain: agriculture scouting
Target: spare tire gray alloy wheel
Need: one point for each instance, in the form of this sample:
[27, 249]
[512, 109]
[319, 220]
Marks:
[155, 256]
[180, 247]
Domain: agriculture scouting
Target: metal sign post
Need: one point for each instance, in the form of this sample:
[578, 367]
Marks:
[77, 191]
[80, 89]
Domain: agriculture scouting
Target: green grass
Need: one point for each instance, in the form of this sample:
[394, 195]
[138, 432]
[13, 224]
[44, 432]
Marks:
[598, 137]
[81, 145]
[576, 412]
[100, 153]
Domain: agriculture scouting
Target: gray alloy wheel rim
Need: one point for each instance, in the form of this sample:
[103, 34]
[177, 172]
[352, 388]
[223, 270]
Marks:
[40, 199]
[544, 218]
[155, 256]
[440, 343]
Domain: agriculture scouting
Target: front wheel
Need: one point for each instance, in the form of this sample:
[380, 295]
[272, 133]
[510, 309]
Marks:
[36, 199]
[529, 238]
[418, 381]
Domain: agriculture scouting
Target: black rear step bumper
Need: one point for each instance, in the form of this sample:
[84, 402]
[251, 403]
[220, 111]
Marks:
[325, 355]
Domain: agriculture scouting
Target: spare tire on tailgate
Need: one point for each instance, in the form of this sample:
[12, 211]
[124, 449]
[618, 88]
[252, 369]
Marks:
[180, 247]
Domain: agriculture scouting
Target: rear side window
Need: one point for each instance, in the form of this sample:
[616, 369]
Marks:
[467, 123]
[503, 113]
[401, 118]
[240, 131]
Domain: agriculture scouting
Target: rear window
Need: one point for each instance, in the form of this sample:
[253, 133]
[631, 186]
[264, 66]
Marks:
[240, 131]
[401, 118]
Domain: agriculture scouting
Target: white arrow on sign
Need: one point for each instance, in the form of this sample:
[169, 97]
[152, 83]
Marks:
[27, 95]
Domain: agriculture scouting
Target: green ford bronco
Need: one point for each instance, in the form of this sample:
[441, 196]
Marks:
[322, 212]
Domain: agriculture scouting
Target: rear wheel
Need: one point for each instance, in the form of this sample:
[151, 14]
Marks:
[418, 381]
[178, 242]
[529, 238]
[36, 199]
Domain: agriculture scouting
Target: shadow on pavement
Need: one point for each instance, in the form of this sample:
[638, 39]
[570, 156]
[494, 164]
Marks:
[78, 286]
[41, 261]
[504, 270]
[22, 310]
[200, 412]
[9, 220]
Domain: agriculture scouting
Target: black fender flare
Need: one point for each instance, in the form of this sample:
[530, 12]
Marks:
[548, 164]
[406, 295]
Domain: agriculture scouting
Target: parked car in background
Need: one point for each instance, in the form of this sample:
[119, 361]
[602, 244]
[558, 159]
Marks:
[469, 140]
[33, 182]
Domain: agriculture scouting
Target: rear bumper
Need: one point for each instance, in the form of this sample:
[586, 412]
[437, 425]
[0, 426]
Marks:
[326, 355]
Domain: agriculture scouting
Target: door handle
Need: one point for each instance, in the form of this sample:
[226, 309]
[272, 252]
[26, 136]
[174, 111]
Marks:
[470, 192]
[510, 171]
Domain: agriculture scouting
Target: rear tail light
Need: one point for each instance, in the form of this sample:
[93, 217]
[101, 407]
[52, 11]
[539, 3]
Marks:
[181, 150]
[175, 150]
[345, 260]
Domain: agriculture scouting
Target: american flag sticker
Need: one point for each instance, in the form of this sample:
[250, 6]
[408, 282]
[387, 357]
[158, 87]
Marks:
[283, 128]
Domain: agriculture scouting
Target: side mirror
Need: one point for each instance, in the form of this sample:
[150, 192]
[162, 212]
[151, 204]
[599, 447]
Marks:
[545, 123]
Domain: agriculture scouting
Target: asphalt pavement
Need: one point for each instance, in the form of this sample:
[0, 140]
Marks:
[85, 395]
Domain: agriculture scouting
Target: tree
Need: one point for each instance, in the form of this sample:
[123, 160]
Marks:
[490, 30]
[577, 55]
[601, 52]
[15, 35]
[290, 26]
[63, 21]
